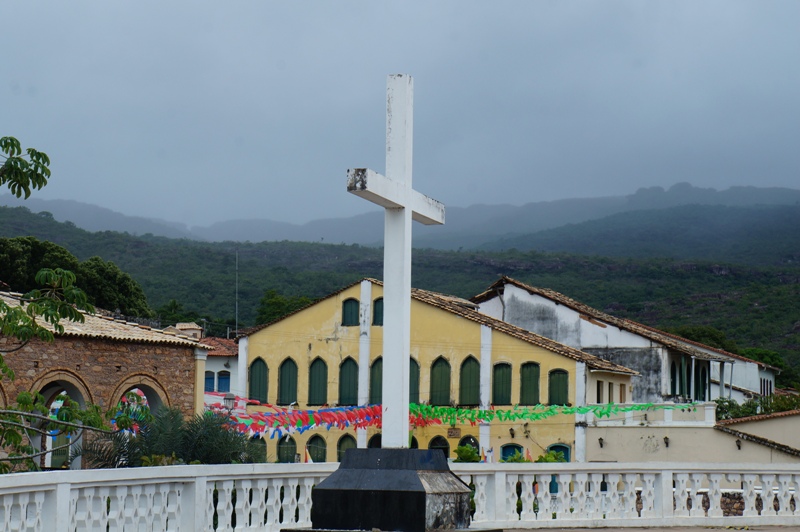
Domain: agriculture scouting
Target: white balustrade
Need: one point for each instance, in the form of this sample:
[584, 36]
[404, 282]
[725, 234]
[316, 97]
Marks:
[270, 497]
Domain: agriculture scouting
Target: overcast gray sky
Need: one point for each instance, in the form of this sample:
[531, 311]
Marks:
[206, 111]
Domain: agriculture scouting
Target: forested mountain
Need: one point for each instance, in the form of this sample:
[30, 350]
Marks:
[466, 227]
[756, 235]
[756, 306]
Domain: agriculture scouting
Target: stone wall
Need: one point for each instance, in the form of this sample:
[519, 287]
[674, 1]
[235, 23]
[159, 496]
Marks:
[101, 371]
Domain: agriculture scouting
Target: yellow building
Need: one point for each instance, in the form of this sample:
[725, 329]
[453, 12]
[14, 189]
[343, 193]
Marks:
[329, 354]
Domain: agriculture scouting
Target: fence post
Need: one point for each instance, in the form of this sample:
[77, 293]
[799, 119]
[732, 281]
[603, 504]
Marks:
[194, 505]
[664, 506]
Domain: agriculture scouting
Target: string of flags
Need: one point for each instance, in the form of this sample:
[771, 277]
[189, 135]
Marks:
[280, 420]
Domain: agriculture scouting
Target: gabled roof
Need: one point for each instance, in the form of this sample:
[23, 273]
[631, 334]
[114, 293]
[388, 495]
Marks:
[466, 309]
[758, 440]
[108, 328]
[673, 342]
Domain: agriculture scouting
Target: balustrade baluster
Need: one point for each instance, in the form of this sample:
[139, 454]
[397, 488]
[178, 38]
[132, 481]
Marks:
[749, 495]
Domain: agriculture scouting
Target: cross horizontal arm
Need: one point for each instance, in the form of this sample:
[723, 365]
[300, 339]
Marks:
[390, 194]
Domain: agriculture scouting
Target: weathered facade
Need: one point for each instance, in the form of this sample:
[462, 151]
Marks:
[671, 368]
[330, 354]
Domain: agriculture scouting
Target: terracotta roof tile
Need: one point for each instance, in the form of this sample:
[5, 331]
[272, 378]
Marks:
[759, 440]
[107, 328]
[223, 347]
[759, 417]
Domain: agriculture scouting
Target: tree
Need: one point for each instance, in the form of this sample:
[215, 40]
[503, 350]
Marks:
[111, 288]
[21, 173]
[707, 335]
[274, 306]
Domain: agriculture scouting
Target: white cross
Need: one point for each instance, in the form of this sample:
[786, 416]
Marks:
[401, 202]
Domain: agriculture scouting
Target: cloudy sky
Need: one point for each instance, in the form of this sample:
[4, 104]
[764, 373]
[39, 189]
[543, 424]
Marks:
[206, 111]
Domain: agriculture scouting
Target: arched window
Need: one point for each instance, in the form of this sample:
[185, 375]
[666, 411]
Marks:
[350, 312]
[413, 382]
[469, 392]
[440, 443]
[348, 382]
[287, 382]
[509, 450]
[318, 383]
[317, 449]
[258, 380]
[375, 442]
[501, 384]
[258, 449]
[413, 444]
[345, 442]
[376, 382]
[560, 448]
[209, 387]
[377, 312]
[287, 450]
[224, 381]
[558, 387]
[440, 383]
[673, 378]
[529, 384]
[469, 440]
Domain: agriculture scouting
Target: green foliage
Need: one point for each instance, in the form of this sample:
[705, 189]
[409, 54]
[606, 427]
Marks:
[730, 409]
[21, 173]
[467, 453]
[516, 458]
[705, 334]
[167, 439]
[274, 306]
[104, 283]
[550, 457]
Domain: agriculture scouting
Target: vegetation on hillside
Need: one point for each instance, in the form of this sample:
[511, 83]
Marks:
[754, 306]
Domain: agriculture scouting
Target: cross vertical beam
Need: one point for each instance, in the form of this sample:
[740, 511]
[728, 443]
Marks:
[401, 202]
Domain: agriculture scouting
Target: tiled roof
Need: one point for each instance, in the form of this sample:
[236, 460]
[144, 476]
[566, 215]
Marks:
[223, 347]
[759, 417]
[673, 342]
[466, 309]
[108, 328]
[759, 440]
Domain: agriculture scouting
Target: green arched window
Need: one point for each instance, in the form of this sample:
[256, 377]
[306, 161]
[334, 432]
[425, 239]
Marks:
[469, 392]
[413, 382]
[377, 311]
[318, 383]
[501, 384]
[558, 387]
[348, 382]
[258, 381]
[376, 382]
[440, 443]
[287, 382]
[350, 312]
[287, 450]
[345, 442]
[529, 384]
[440, 383]
[317, 449]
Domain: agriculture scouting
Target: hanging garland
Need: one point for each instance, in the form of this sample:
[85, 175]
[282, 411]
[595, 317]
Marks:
[286, 420]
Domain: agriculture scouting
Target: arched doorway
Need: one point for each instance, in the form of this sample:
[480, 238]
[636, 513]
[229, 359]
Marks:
[145, 386]
[345, 442]
[440, 443]
[317, 449]
[375, 442]
[287, 450]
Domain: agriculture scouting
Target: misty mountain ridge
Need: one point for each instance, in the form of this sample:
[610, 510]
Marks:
[473, 227]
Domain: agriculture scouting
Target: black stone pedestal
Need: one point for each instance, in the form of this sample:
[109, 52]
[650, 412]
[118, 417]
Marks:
[410, 490]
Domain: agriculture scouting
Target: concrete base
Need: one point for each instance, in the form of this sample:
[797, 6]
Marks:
[409, 490]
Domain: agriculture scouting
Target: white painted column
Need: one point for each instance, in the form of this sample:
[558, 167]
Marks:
[580, 419]
[484, 431]
[240, 388]
[364, 354]
[730, 384]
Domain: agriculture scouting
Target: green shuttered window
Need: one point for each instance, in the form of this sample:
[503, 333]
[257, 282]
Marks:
[413, 382]
[350, 312]
[558, 387]
[469, 383]
[348, 382]
[440, 382]
[287, 382]
[377, 312]
[376, 382]
[318, 383]
[501, 384]
[258, 381]
[529, 384]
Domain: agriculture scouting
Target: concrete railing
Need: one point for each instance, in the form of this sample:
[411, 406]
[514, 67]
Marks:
[275, 496]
